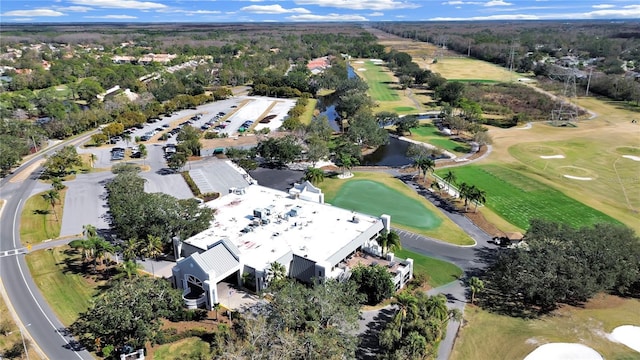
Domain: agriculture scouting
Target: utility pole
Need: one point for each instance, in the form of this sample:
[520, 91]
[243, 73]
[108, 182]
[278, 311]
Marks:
[589, 81]
[469, 49]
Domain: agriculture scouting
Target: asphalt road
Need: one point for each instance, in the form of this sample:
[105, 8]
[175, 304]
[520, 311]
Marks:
[37, 319]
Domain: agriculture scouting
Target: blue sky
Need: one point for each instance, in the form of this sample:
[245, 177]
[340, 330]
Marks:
[65, 11]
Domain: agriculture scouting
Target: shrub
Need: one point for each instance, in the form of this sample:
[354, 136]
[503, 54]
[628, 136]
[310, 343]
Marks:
[192, 185]
[209, 196]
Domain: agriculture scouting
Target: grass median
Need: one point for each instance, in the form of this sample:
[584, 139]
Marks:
[57, 274]
[38, 221]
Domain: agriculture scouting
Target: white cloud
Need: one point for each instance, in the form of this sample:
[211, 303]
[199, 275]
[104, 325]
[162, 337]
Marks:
[73, 8]
[497, 3]
[33, 13]
[273, 9]
[629, 11]
[361, 4]
[200, 12]
[327, 17]
[458, 2]
[120, 4]
[22, 19]
[111, 17]
[377, 13]
[490, 17]
[603, 6]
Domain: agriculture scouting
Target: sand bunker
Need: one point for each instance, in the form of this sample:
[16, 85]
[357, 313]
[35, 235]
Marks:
[578, 177]
[359, 62]
[362, 69]
[552, 156]
[563, 351]
[632, 157]
[628, 335]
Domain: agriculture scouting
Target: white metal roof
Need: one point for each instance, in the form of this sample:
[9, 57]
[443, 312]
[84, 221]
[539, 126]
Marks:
[317, 232]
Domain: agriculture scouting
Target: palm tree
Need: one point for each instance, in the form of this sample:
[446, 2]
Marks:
[476, 286]
[417, 163]
[152, 249]
[89, 230]
[407, 304]
[437, 187]
[131, 249]
[276, 272]
[126, 137]
[57, 184]
[129, 268]
[314, 175]
[51, 196]
[450, 178]
[389, 241]
[101, 248]
[465, 191]
[85, 245]
[424, 164]
[478, 197]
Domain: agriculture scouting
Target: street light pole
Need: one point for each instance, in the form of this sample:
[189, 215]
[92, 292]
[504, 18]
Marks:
[24, 344]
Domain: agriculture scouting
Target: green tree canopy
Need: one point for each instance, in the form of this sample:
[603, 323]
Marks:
[373, 281]
[128, 313]
[561, 264]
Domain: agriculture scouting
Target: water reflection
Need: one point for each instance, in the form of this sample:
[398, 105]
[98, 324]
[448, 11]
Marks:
[392, 154]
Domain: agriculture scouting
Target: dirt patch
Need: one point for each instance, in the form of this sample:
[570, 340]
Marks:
[604, 301]
[479, 220]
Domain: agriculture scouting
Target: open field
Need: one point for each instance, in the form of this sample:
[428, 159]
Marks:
[189, 348]
[428, 133]
[384, 90]
[380, 193]
[594, 149]
[519, 198]
[38, 222]
[488, 336]
[66, 290]
[463, 68]
[438, 272]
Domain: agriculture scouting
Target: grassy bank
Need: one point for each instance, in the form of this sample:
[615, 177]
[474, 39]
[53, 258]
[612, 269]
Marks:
[428, 133]
[307, 116]
[488, 336]
[395, 194]
[438, 272]
[57, 274]
[38, 221]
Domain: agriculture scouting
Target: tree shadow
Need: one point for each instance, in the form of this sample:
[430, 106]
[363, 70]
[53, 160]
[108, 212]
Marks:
[368, 346]
[41, 212]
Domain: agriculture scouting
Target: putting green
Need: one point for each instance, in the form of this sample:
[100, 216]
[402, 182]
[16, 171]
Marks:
[373, 198]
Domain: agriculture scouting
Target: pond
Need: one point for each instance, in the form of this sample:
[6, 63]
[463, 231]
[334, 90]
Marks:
[392, 154]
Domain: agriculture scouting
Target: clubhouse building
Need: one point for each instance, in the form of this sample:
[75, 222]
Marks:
[256, 226]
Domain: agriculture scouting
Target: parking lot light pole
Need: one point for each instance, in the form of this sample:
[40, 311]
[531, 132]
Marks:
[24, 344]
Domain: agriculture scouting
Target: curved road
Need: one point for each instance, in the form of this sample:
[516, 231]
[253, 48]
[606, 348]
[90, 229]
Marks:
[37, 319]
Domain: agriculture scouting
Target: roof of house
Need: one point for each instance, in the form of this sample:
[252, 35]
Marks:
[220, 258]
[514, 236]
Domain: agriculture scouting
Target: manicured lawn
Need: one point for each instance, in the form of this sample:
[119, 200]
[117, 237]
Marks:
[56, 274]
[384, 89]
[379, 80]
[306, 117]
[380, 193]
[374, 198]
[189, 348]
[430, 134]
[518, 198]
[38, 222]
[488, 336]
[438, 271]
